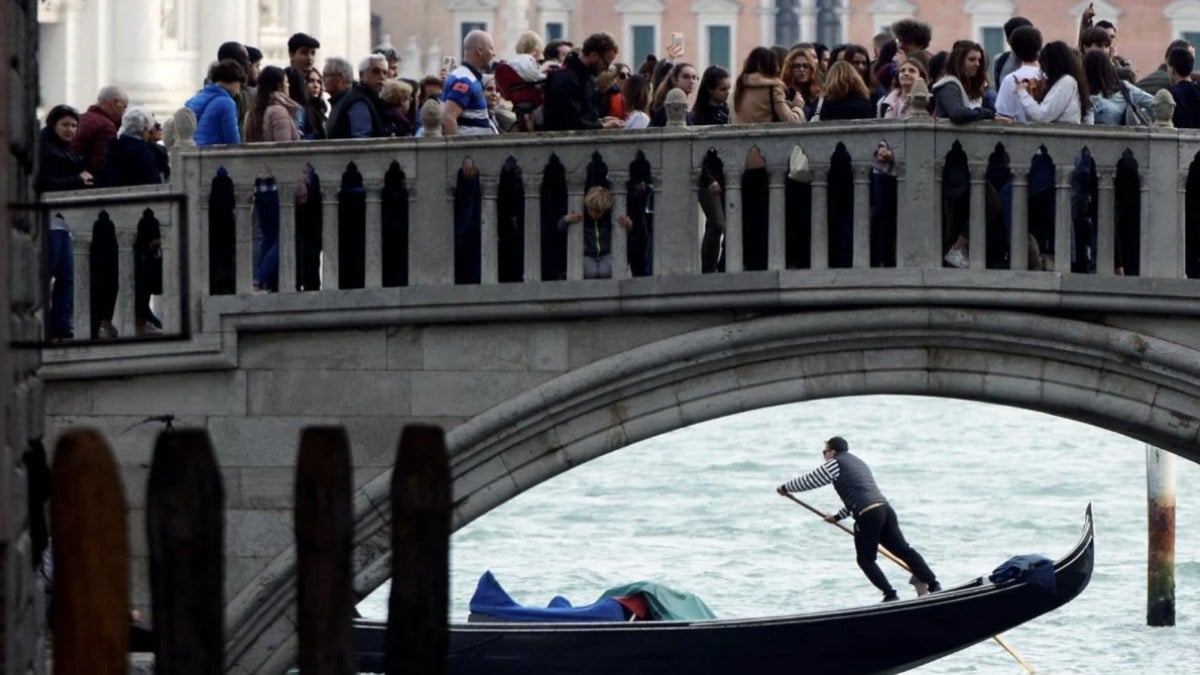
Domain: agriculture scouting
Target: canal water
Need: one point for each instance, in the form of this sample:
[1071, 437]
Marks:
[973, 484]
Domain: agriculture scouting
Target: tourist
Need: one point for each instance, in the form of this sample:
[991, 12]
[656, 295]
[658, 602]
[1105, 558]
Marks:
[760, 95]
[959, 93]
[1180, 64]
[712, 97]
[803, 77]
[273, 115]
[895, 104]
[875, 521]
[359, 114]
[1066, 99]
[98, 127]
[637, 99]
[1111, 96]
[570, 100]
[215, 106]
[682, 76]
[844, 95]
[464, 107]
[1026, 44]
[60, 169]
[597, 231]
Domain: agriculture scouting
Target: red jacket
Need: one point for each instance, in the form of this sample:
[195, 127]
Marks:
[95, 132]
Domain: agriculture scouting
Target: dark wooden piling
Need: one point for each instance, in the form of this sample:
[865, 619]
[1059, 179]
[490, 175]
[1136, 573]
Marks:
[417, 638]
[1160, 563]
[324, 528]
[185, 503]
[91, 558]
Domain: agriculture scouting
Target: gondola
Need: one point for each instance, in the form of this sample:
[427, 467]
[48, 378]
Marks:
[884, 638]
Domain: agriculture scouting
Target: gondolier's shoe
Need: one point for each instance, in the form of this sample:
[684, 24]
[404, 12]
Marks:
[935, 587]
[890, 596]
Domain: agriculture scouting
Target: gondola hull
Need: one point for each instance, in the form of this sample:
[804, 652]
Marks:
[884, 638]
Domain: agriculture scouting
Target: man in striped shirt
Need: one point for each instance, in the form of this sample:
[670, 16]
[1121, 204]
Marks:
[875, 521]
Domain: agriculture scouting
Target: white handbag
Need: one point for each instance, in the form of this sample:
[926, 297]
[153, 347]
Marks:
[798, 168]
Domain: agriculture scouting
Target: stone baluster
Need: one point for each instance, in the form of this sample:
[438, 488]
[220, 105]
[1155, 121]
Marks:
[173, 305]
[1019, 243]
[777, 219]
[374, 234]
[1062, 221]
[575, 230]
[620, 236]
[123, 318]
[919, 198]
[329, 232]
[1164, 210]
[977, 246]
[431, 220]
[287, 236]
[733, 223]
[862, 216]
[489, 231]
[81, 245]
[676, 246]
[819, 242]
[1106, 234]
[533, 228]
[243, 237]
[1148, 238]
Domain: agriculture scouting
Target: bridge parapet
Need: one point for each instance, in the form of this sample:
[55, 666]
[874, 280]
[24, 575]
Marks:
[370, 238]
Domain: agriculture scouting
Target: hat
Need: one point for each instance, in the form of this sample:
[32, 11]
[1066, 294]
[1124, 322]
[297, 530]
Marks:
[58, 112]
[302, 40]
[255, 53]
[838, 444]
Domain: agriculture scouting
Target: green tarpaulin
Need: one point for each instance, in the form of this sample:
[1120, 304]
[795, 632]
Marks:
[665, 603]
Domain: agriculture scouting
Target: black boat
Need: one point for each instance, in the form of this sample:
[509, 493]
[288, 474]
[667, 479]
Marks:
[885, 638]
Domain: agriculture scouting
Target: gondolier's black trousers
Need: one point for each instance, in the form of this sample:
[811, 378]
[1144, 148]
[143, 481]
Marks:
[880, 526]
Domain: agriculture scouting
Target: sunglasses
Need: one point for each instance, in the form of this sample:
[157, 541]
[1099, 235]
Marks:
[623, 75]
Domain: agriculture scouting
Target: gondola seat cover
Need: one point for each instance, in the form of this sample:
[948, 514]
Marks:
[665, 603]
[1033, 569]
[492, 600]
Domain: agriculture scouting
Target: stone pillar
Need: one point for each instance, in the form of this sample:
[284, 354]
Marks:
[1106, 228]
[1062, 221]
[977, 245]
[620, 236]
[734, 257]
[136, 61]
[1018, 252]
[862, 216]
[533, 229]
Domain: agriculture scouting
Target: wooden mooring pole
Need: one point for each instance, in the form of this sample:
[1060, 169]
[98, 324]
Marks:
[90, 616]
[324, 527]
[1160, 566]
[417, 635]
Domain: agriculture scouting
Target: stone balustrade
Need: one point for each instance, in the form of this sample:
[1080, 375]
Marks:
[1164, 159]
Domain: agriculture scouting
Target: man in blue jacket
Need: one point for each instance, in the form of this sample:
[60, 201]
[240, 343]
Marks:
[215, 107]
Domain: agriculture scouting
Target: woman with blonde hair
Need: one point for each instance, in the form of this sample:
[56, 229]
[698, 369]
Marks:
[760, 95]
[895, 104]
[845, 95]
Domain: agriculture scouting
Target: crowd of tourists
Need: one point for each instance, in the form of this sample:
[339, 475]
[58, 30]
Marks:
[556, 85]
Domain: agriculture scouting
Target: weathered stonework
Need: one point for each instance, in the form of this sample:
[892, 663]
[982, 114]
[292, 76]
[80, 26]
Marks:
[22, 645]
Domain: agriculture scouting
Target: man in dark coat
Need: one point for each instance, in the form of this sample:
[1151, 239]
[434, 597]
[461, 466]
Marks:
[1159, 79]
[359, 113]
[571, 90]
[1180, 63]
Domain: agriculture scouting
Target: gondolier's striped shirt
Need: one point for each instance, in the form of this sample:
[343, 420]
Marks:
[822, 475]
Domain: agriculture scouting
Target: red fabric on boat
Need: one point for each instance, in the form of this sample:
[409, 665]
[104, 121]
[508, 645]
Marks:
[636, 605]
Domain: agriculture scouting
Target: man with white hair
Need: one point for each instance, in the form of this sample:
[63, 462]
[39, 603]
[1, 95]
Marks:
[464, 107]
[98, 127]
[130, 159]
[359, 113]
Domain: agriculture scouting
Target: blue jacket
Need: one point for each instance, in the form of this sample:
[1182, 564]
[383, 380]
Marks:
[216, 116]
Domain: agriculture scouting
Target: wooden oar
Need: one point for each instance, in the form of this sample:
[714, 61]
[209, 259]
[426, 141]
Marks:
[892, 556]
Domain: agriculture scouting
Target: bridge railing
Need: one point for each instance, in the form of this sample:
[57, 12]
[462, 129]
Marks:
[387, 208]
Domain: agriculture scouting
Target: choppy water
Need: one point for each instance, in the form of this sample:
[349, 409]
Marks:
[973, 484]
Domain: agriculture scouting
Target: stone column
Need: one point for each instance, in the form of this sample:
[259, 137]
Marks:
[819, 237]
[1062, 221]
[620, 236]
[1018, 251]
[776, 219]
[977, 246]
[533, 229]
[862, 216]
[1106, 232]
[734, 257]
[489, 262]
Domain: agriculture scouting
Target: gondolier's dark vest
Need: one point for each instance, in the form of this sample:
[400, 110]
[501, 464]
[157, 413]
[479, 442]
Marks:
[855, 484]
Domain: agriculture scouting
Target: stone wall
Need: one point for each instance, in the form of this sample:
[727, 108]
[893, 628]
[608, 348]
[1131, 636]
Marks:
[22, 648]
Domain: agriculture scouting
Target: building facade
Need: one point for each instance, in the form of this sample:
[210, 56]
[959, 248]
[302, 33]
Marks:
[722, 32]
[160, 50]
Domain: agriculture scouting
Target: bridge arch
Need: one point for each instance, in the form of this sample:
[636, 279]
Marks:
[1121, 380]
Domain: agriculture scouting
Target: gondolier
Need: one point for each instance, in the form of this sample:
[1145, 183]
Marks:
[875, 521]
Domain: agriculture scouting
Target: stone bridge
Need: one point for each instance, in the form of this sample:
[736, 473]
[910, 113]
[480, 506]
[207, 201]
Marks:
[532, 378]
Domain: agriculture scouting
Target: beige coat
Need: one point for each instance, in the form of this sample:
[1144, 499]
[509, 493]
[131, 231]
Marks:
[759, 96]
[279, 121]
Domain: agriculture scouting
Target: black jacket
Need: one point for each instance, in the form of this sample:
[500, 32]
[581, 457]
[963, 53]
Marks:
[707, 113]
[849, 108]
[1187, 105]
[130, 161]
[58, 167]
[338, 124]
[570, 98]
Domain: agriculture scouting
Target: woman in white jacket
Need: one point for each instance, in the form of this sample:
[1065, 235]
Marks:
[1067, 99]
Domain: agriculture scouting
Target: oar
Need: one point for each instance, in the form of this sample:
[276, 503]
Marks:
[891, 556]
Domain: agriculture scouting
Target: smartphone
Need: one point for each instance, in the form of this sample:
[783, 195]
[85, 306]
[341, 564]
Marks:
[448, 63]
[677, 40]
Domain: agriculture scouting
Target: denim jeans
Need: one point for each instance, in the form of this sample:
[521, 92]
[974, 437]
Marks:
[62, 287]
[266, 207]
